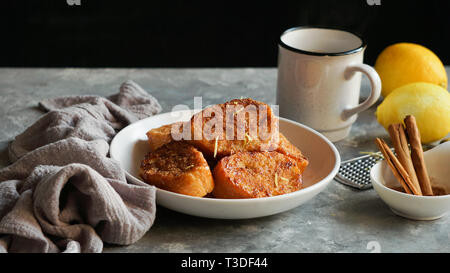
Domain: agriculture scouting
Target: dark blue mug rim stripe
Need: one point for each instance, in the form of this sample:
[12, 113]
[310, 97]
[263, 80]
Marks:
[343, 53]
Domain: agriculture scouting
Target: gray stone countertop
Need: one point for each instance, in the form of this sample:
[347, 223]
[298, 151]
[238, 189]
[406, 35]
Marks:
[339, 219]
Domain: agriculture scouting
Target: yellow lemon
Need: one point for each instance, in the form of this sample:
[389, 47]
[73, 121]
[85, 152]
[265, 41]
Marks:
[404, 63]
[429, 103]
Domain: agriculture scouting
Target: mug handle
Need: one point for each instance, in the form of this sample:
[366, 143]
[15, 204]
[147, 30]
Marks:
[375, 84]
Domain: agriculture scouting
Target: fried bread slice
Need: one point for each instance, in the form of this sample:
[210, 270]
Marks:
[178, 167]
[287, 148]
[159, 136]
[256, 174]
[239, 125]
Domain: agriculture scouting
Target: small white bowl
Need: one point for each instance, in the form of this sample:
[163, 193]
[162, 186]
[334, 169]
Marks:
[407, 205]
[130, 145]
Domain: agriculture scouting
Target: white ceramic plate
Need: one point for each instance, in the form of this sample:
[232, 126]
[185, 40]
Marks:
[130, 145]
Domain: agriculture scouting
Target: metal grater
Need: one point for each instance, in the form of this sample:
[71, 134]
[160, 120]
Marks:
[356, 172]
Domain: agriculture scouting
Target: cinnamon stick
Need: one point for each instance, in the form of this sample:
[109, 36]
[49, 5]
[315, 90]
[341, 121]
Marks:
[417, 155]
[400, 143]
[396, 167]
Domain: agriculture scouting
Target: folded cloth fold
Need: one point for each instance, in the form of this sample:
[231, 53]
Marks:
[85, 117]
[62, 192]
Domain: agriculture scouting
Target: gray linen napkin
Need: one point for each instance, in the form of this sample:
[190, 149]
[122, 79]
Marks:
[62, 192]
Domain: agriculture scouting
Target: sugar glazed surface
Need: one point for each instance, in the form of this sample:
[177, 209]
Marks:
[256, 174]
[178, 167]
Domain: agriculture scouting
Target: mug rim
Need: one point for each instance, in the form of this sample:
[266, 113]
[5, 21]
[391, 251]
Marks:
[343, 53]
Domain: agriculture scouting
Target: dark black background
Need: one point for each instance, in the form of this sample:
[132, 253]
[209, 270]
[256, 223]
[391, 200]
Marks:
[201, 33]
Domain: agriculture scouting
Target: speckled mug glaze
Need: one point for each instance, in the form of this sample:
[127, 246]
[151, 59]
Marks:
[317, 80]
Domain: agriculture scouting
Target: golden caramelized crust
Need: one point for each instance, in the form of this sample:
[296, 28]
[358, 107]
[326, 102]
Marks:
[159, 136]
[256, 174]
[178, 167]
[287, 148]
[238, 131]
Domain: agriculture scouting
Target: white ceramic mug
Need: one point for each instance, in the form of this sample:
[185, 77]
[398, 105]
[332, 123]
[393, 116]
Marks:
[317, 80]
